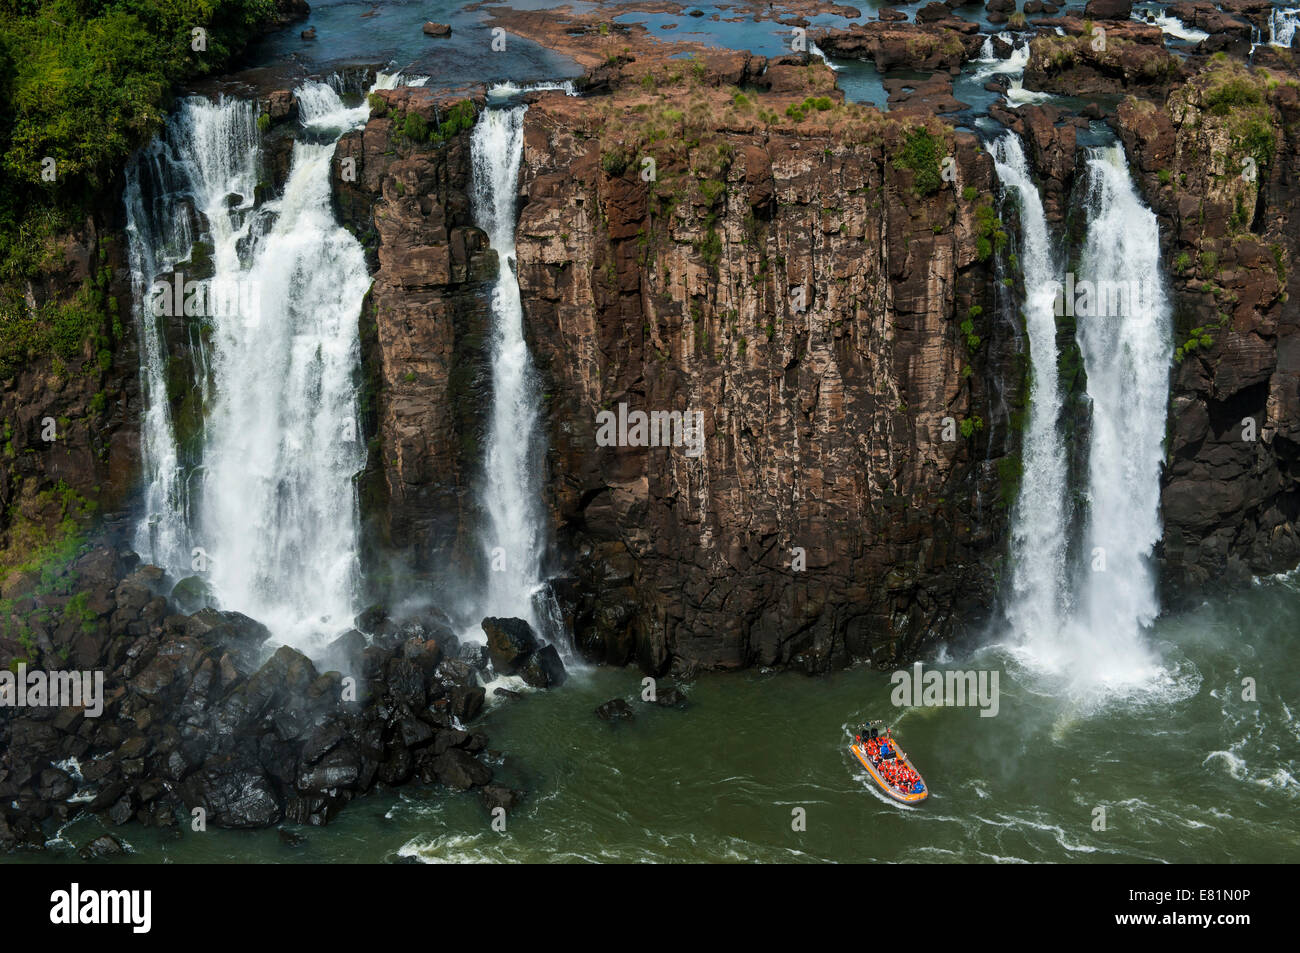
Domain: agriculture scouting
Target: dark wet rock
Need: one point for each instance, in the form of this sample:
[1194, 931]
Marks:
[436, 29]
[616, 709]
[191, 594]
[291, 838]
[1108, 9]
[370, 618]
[467, 703]
[344, 653]
[475, 654]
[505, 693]
[510, 642]
[545, 669]
[498, 795]
[405, 682]
[340, 768]
[234, 792]
[460, 770]
[106, 845]
[673, 698]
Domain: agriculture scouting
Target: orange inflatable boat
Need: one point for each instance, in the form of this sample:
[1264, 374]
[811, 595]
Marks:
[885, 761]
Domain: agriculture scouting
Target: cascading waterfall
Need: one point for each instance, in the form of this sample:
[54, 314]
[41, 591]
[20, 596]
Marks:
[1282, 26]
[1086, 626]
[815, 50]
[207, 158]
[515, 535]
[1038, 542]
[272, 521]
[1126, 354]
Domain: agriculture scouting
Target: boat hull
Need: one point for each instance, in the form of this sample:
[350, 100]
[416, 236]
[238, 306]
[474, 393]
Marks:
[892, 792]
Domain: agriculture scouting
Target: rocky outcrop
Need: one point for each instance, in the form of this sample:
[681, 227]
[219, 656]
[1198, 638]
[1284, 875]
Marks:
[924, 46]
[201, 720]
[1219, 162]
[1117, 56]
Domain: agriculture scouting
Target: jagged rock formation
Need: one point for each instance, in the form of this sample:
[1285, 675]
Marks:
[198, 713]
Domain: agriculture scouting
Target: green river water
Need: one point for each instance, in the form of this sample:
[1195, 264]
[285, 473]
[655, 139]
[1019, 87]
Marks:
[1187, 770]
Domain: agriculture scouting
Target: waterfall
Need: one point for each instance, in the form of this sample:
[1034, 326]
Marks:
[1086, 624]
[1282, 26]
[206, 156]
[515, 535]
[815, 50]
[1038, 540]
[509, 90]
[1126, 351]
[268, 514]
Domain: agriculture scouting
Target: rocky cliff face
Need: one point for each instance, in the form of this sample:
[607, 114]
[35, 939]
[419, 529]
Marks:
[790, 282]
[69, 403]
[423, 330]
[1219, 163]
[799, 282]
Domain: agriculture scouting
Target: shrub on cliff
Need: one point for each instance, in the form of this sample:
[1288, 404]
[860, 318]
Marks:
[922, 153]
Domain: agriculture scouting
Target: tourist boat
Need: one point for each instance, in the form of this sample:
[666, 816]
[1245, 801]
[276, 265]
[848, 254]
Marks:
[878, 731]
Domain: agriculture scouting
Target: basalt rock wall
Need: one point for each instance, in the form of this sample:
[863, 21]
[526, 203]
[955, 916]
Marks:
[1220, 163]
[797, 289]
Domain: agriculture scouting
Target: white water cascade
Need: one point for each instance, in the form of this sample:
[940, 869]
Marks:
[268, 515]
[1126, 357]
[1085, 625]
[1038, 542]
[515, 536]
[1282, 26]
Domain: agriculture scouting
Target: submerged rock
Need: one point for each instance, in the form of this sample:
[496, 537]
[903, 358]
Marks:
[106, 845]
[616, 709]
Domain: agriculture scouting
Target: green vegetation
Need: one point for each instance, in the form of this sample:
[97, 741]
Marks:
[61, 329]
[82, 84]
[921, 153]
[1239, 97]
[989, 235]
[614, 161]
[416, 129]
[971, 426]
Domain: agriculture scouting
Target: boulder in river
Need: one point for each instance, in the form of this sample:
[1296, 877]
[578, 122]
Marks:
[544, 669]
[1108, 9]
[616, 709]
[436, 29]
[510, 644]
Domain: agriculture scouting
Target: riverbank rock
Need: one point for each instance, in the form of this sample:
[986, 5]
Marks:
[198, 714]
